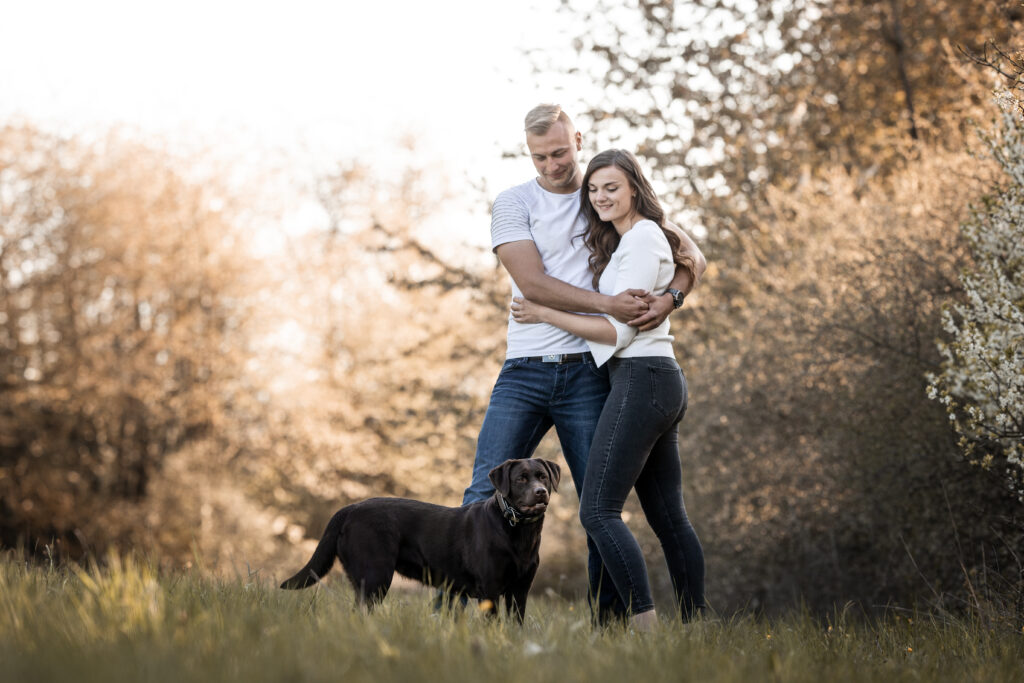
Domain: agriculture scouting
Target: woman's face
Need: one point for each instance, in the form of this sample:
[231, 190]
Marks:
[610, 194]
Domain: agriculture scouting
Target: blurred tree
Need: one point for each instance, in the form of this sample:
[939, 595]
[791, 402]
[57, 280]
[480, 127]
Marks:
[1008, 64]
[730, 96]
[825, 473]
[164, 388]
[119, 307]
[403, 333]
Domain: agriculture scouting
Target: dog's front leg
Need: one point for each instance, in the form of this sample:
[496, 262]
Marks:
[515, 595]
[515, 601]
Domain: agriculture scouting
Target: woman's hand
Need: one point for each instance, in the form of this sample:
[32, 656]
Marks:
[527, 312]
[592, 327]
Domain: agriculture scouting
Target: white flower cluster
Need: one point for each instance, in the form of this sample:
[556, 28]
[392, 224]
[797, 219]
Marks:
[982, 380]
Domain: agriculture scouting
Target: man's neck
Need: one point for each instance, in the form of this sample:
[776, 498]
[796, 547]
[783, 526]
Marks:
[577, 182]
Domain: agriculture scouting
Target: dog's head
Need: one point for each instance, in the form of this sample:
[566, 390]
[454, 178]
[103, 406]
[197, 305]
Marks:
[527, 484]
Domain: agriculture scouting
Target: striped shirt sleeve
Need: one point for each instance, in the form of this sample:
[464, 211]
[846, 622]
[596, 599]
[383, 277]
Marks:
[510, 220]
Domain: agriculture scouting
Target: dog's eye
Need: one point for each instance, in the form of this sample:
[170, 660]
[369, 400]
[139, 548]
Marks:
[521, 479]
[542, 476]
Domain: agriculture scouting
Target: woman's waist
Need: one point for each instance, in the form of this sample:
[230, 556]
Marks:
[656, 362]
[650, 343]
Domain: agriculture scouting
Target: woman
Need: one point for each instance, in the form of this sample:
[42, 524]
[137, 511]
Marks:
[635, 445]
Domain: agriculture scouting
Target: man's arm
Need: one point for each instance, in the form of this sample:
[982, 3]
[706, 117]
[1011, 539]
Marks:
[685, 280]
[523, 262]
[690, 254]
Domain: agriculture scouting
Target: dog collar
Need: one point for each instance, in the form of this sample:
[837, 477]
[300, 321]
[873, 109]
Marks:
[514, 516]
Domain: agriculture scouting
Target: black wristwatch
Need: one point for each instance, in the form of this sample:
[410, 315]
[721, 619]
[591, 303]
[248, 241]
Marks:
[677, 297]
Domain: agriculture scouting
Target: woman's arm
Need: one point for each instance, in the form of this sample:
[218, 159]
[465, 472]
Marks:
[591, 327]
[523, 262]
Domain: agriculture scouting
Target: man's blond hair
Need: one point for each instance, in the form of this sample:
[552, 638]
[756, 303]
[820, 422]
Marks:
[540, 119]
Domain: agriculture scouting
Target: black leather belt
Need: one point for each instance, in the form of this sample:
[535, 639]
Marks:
[561, 358]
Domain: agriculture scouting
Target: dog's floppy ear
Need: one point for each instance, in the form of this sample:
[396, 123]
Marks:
[554, 473]
[501, 477]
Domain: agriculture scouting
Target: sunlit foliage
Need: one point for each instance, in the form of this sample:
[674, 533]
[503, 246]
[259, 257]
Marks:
[120, 306]
[729, 96]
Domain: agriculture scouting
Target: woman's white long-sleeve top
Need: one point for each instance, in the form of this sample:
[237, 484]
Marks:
[643, 260]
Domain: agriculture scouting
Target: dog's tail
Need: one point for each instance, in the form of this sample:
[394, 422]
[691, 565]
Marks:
[323, 556]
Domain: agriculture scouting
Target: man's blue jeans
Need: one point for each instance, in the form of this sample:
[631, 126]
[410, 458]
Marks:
[529, 398]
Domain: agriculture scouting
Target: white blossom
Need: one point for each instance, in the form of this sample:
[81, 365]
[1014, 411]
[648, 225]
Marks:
[982, 378]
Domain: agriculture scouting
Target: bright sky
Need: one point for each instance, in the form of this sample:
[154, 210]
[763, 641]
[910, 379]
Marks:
[321, 80]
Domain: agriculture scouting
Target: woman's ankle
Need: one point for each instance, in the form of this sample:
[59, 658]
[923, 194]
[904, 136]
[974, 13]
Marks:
[644, 621]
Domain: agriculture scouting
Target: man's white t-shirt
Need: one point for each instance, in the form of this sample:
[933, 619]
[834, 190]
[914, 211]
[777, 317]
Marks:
[554, 223]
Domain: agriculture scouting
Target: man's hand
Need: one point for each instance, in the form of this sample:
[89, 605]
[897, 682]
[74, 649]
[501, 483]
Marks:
[659, 308]
[628, 305]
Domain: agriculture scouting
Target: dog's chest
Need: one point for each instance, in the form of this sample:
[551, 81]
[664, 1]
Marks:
[524, 551]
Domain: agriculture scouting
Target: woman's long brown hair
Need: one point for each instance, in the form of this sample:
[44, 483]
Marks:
[600, 236]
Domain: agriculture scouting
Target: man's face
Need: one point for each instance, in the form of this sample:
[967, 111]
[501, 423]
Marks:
[554, 157]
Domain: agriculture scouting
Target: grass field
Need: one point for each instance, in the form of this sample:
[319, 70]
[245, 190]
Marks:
[129, 622]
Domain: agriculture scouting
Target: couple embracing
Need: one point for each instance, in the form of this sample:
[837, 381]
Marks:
[596, 269]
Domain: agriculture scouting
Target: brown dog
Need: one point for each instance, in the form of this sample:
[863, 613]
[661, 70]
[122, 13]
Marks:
[484, 550]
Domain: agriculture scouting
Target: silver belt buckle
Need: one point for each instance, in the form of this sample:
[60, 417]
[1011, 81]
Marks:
[552, 358]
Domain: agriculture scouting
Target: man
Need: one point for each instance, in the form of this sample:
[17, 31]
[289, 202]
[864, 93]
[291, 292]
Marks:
[549, 378]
